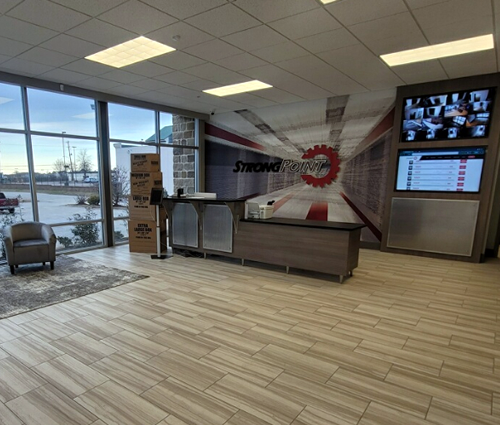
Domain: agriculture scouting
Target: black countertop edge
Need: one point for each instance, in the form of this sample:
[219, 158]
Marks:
[332, 225]
[212, 201]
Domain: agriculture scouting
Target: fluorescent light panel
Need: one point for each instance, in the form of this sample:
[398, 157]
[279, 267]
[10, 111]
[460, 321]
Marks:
[453, 48]
[327, 1]
[238, 88]
[132, 51]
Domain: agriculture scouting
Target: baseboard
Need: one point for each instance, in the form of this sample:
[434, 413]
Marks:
[370, 245]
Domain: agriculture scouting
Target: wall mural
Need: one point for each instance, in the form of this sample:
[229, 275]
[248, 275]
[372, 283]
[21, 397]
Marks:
[318, 160]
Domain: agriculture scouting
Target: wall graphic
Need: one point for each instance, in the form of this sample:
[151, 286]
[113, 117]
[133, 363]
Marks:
[353, 133]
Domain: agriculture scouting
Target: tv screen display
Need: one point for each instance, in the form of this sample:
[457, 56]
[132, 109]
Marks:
[440, 170]
[450, 116]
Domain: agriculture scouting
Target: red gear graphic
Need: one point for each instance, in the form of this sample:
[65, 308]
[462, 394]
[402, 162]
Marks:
[332, 156]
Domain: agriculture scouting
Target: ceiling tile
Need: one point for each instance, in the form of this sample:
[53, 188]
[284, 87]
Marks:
[85, 66]
[102, 33]
[385, 35]
[278, 96]
[213, 50]
[212, 72]
[328, 41]
[188, 35]
[60, 75]
[445, 13]
[239, 62]
[224, 20]
[472, 27]
[323, 75]
[121, 76]
[281, 52]
[255, 38]
[90, 7]
[252, 100]
[151, 84]
[6, 5]
[362, 66]
[177, 60]
[421, 72]
[97, 83]
[305, 24]
[22, 31]
[177, 77]
[185, 8]
[475, 64]
[4, 58]
[199, 85]
[23, 67]
[12, 48]
[148, 68]
[288, 82]
[137, 17]
[356, 11]
[416, 4]
[71, 46]
[47, 57]
[268, 11]
[48, 15]
[127, 90]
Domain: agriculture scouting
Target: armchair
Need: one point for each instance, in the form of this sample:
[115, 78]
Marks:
[29, 242]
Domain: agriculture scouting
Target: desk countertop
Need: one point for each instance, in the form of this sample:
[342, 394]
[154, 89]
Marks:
[200, 199]
[331, 225]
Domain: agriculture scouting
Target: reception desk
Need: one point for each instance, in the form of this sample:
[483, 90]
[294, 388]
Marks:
[217, 226]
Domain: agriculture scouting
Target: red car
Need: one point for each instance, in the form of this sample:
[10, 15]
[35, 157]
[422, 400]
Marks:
[8, 204]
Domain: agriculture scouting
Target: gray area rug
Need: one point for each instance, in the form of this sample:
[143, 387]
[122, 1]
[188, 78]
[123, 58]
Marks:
[34, 286]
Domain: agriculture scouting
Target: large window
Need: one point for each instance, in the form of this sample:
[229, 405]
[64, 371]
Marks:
[129, 123]
[11, 108]
[51, 159]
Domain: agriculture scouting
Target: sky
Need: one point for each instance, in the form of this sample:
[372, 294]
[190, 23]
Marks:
[66, 115]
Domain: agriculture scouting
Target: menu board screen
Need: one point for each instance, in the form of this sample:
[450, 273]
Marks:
[440, 170]
[451, 116]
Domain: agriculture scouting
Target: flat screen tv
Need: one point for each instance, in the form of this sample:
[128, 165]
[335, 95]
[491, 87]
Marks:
[440, 170]
[449, 116]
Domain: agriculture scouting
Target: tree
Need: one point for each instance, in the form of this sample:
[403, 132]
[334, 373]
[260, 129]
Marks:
[84, 162]
[60, 167]
[121, 184]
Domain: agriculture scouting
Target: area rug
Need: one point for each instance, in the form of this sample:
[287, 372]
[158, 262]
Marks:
[34, 286]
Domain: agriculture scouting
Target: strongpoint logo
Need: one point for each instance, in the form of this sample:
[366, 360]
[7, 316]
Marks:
[334, 160]
[308, 167]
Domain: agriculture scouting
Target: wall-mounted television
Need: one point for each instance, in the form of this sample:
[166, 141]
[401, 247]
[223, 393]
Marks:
[440, 170]
[449, 116]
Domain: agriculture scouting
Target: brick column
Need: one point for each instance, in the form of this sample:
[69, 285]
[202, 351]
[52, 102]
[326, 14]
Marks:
[183, 133]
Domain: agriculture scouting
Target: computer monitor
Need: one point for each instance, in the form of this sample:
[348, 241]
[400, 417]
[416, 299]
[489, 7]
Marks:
[156, 196]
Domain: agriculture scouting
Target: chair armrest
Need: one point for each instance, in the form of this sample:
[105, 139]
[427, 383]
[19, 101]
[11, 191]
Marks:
[48, 234]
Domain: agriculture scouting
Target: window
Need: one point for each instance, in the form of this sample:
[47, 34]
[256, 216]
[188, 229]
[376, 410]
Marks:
[129, 123]
[67, 178]
[61, 113]
[11, 109]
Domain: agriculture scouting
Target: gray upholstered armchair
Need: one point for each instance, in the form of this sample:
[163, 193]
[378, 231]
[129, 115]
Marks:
[29, 242]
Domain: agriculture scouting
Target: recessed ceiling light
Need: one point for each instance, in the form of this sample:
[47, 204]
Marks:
[327, 1]
[453, 48]
[238, 88]
[5, 100]
[132, 51]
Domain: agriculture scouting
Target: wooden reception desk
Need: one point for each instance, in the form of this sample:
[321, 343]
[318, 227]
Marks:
[217, 227]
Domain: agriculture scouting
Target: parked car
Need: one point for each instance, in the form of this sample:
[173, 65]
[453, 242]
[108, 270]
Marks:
[91, 180]
[8, 204]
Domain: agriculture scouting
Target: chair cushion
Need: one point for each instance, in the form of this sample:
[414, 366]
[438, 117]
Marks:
[29, 242]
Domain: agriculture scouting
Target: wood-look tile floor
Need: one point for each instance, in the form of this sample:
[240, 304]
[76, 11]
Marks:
[406, 341]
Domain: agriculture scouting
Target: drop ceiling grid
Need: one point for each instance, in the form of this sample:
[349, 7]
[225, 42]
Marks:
[284, 34]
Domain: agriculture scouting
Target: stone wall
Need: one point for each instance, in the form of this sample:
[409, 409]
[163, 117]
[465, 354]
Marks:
[183, 133]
